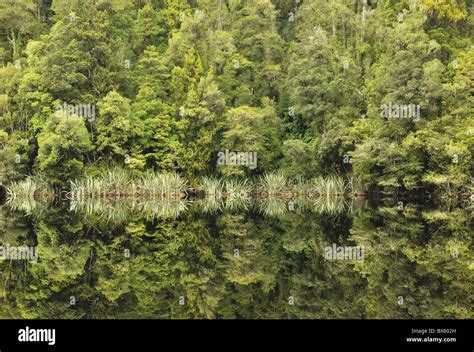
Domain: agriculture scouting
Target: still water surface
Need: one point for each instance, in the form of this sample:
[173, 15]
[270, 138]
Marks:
[265, 259]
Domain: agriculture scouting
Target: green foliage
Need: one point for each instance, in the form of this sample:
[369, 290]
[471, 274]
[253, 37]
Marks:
[233, 265]
[252, 130]
[62, 149]
[116, 129]
[301, 84]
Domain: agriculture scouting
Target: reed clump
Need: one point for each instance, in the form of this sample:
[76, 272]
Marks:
[279, 185]
[229, 194]
[122, 210]
[214, 194]
[29, 189]
[274, 184]
[238, 194]
[117, 184]
[328, 186]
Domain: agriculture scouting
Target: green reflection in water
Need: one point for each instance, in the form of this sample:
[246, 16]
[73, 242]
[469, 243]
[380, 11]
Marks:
[196, 259]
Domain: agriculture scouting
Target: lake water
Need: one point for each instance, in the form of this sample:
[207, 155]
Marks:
[271, 258]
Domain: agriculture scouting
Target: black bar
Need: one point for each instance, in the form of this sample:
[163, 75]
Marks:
[315, 335]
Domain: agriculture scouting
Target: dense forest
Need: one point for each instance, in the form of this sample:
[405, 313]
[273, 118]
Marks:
[377, 91]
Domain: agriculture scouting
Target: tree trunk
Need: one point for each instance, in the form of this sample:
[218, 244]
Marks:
[333, 19]
[219, 6]
[12, 41]
[364, 18]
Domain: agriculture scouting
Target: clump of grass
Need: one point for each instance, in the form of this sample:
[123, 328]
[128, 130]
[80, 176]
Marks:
[28, 206]
[212, 187]
[31, 188]
[238, 194]
[161, 208]
[329, 205]
[162, 185]
[117, 211]
[238, 188]
[22, 189]
[88, 187]
[274, 183]
[116, 181]
[328, 186]
[278, 184]
[119, 183]
[276, 206]
[214, 192]
[272, 206]
[29, 196]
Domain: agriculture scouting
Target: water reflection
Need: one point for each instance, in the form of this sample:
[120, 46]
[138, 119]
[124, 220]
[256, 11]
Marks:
[199, 259]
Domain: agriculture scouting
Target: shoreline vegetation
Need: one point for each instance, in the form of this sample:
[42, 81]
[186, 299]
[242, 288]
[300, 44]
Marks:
[117, 195]
[30, 188]
[259, 197]
[120, 184]
[120, 211]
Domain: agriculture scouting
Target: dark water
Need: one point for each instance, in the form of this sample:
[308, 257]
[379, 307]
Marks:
[198, 259]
